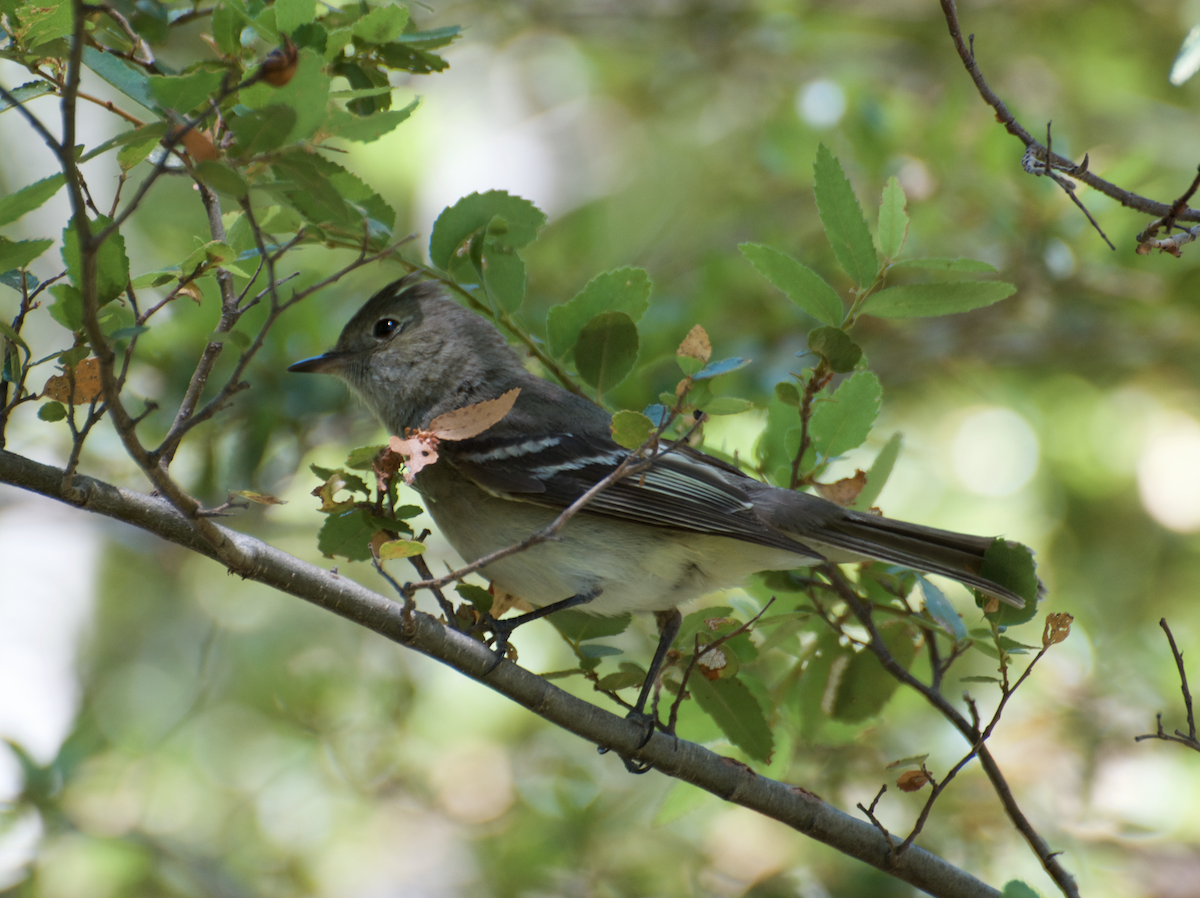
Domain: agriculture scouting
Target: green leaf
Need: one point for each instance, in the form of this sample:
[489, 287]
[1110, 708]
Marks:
[928, 300]
[504, 277]
[400, 548]
[737, 712]
[577, 626]
[381, 25]
[112, 265]
[978, 679]
[25, 92]
[942, 611]
[52, 411]
[627, 676]
[786, 392]
[327, 194]
[877, 477]
[29, 198]
[844, 421]
[68, 307]
[40, 24]
[132, 82]
[803, 286]
[6, 331]
[843, 220]
[893, 220]
[726, 405]
[597, 650]
[19, 253]
[1015, 888]
[1010, 564]
[262, 130]
[147, 135]
[835, 346]
[631, 429]
[222, 178]
[291, 14]
[458, 223]
[306, 94]
[942, 265]
[864, 687]
[348, 534]
[477, 596]
[623, 290]
[607, 350]
[137, 150]
[184, 93]
[432, 39]
[372, 127]
[363, 458]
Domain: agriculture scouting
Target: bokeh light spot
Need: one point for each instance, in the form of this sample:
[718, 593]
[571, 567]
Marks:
[1168, 473]
[821, 104]
[995, 452]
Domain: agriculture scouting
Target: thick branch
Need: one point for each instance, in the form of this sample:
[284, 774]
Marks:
[258, 561]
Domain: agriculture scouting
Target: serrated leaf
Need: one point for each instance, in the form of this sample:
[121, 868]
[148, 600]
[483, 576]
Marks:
[631, 429]
[877, 477]
[29, 198]
[844, 421]
[458, 223]
[801, 284]
[843, 220]
[19, 253]
[1011, 565]
[291, 14]
[40, 24]
[942, 265]
[112, 265]
[623, 290]
[606, 350]
[893, 220]
[347, 534]
[305, 94]
[381, 25]
[577, 626]
[864, 687]
[369, 128]
[737, 712]
[929, 300]
[628, 676]
[835, 346]
[28, 91]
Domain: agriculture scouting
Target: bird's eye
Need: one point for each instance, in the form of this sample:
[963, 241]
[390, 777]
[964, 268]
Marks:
[385, 327]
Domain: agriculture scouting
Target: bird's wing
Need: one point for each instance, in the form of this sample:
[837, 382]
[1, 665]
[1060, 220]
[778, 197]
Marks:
[680, 490]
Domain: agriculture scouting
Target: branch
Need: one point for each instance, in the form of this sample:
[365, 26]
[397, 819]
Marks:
[791, 805]
[1190, 739]
[1042, 153]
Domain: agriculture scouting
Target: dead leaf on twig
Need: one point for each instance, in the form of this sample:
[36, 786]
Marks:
[87, 384]
[843, 491]
[419, 448]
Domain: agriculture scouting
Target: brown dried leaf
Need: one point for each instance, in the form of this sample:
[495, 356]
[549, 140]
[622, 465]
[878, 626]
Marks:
[1058, 628]
[464, 423]
[87, 384]
[503, 602]
[199, 145]
[190, 289]
[418, 450]
[695, 345]
[843, 491]
[280, 65]
[912, 780]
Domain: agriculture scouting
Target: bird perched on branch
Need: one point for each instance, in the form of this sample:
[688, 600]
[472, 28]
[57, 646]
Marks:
[685, 526]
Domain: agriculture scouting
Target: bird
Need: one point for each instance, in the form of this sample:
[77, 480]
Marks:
[687, 525]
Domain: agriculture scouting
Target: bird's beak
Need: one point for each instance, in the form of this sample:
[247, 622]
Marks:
[329, 363]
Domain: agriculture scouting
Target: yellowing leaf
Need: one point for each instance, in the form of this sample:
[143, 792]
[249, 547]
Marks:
[400, 548]
[464, 423]
[87, 384]
[912, 780]
[260, 498]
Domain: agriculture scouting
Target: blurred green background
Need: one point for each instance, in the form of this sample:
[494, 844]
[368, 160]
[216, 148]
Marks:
[224, 740]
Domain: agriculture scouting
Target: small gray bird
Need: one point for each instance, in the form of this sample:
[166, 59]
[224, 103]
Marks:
[688, 525]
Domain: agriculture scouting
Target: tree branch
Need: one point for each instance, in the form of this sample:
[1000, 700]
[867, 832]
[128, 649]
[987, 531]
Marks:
[255, 560]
